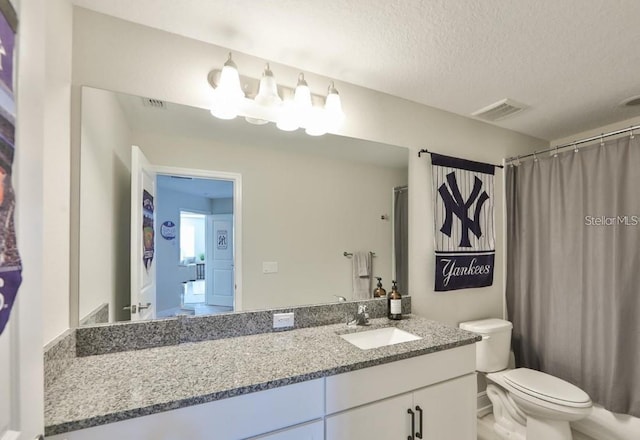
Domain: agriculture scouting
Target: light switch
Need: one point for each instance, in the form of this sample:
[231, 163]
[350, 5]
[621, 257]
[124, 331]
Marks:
[269, 267]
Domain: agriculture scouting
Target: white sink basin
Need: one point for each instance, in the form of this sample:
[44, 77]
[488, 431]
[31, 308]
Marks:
[379, 338]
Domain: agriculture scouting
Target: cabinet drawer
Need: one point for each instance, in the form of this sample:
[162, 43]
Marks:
[359, 387]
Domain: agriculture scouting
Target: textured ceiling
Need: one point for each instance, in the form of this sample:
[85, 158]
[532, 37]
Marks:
[571, 61]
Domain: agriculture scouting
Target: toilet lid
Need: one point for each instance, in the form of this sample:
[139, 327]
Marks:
[547, 387]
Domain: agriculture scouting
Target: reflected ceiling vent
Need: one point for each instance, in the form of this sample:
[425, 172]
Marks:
[634, 101]
[499, 110]
[154, 103]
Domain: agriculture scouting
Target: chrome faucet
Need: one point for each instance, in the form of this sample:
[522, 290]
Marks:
[362, 317]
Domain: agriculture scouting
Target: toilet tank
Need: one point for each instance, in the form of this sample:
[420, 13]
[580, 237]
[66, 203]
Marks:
[492, 353]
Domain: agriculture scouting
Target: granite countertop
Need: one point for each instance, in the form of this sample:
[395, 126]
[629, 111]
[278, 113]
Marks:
[101, 389]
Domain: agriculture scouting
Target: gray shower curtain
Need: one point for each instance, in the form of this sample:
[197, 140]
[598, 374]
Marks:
[573, 269]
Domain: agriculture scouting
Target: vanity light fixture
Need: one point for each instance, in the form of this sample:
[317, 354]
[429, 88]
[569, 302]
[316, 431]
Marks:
[265, 101]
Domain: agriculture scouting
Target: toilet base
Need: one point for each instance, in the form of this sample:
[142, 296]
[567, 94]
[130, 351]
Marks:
[511, 423]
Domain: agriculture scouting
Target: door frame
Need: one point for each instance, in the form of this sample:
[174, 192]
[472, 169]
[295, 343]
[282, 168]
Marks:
[236, 178]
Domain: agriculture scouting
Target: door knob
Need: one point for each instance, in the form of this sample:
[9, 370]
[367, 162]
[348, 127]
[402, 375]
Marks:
[141, 307]
[133, 308]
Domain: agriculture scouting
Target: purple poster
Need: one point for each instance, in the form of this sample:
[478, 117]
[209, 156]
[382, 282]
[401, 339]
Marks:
[7, 43]
[10, 262]
[147, 229]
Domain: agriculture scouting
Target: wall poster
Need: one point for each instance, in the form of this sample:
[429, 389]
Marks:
[464, 223]
[168, 230]
[222, 239]
[147, 229]
[10, 262]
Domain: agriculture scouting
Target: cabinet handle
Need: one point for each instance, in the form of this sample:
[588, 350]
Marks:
[419, 433]
[413, 423]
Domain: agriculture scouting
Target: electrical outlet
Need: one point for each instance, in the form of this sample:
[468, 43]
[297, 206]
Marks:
[283, 320]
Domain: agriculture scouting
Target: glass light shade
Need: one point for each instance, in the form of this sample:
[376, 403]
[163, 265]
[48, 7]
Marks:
[268, 90]
[302, 101]
[288, 118]
[316, 122]
[302, 98]
[333, 109]
[228, 96]
[267, 97]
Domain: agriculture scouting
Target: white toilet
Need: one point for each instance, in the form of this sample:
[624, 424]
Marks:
[527, 404]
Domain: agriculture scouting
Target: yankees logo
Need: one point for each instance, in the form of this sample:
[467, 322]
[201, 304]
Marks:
[455, 204]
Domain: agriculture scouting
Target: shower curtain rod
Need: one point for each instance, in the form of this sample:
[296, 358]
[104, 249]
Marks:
[576, 143]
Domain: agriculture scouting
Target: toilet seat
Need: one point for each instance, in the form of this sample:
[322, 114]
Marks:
[544, 387]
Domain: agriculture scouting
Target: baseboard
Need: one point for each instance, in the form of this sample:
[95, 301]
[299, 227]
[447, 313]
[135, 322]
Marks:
[483, 404]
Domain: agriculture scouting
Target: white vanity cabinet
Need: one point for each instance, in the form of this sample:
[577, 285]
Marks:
[374, 403]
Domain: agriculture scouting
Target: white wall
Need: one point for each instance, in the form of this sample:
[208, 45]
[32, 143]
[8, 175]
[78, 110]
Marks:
[301, 210]
[169, 205]
[56, 172]
[105, 205]
[121, 56]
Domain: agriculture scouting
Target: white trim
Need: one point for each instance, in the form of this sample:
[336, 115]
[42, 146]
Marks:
[484, 405]
[236, 178]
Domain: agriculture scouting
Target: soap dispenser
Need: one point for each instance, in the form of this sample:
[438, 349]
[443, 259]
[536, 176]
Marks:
[379, 291]
[394, 303]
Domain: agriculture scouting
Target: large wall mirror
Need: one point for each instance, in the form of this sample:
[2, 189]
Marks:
[298, 203]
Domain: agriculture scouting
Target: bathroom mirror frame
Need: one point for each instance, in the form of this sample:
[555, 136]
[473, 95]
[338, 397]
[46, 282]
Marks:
[369, 152]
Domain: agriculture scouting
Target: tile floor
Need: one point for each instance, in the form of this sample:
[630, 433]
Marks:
[485, 430]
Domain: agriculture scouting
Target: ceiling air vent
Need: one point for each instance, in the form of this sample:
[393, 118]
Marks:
[154, 103]
[499, 110]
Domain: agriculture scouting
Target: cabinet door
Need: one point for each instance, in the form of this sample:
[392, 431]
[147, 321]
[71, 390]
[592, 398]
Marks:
[448, 409]
[383, 420]
[308, 431]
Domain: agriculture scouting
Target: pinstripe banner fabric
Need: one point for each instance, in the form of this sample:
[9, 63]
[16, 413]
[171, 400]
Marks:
[464, 223]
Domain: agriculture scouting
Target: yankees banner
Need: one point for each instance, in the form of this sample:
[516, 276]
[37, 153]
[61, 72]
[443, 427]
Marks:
[464, 223]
